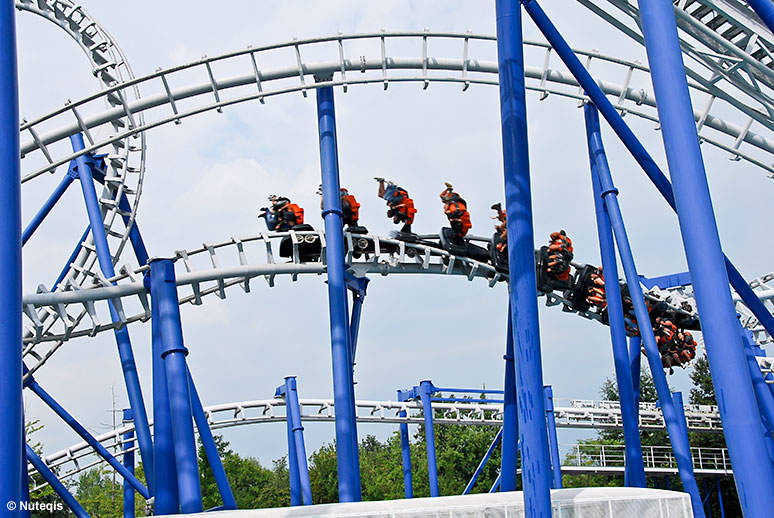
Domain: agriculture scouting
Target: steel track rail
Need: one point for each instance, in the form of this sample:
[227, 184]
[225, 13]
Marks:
[126, 157]
[216, 90]
[582, 414]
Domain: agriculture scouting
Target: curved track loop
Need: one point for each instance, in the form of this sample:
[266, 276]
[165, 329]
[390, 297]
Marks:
[212, 268]
[125, 157]
[730, 52]
[172, 94]
[578, 414]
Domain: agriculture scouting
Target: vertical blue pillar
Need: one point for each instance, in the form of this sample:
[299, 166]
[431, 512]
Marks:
[405, 450]
[556, 461]
[425, 390]
[679, 445]
[11, 421]
[128, 444]
[635, 468]
[166, 500]
[347, 456]
[731, 379]
[535, 459]
[765, 11]
[293, 472]
[297, 430]
[509, 458]
[164, 295]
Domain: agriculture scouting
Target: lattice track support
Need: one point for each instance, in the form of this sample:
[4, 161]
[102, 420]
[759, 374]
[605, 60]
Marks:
[731, 379]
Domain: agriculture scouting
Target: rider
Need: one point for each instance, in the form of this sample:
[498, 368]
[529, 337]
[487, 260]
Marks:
[559, 256]
[283, 215]
[456, 210]
[596, 294]
[502, 228]
[401, 207]
[350, 208]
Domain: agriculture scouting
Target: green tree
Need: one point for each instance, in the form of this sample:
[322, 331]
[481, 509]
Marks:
[98, 494]
[253, 485]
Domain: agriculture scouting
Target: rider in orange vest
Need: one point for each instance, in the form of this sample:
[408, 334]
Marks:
[283, 214]
[456, 210]
[350, 208]
[559, 255]
[401, 207]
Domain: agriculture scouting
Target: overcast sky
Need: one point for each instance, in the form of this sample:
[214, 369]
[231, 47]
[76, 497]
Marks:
[207, 177]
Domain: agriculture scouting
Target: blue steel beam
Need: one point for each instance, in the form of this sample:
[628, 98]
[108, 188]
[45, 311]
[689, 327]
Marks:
[72, 257]
[164, 295]
[294, 473]
[765, 11]
[556, 461]
[11, 420]
[763, 394]
[509, 458]
[126, 355]
[484, 460]
[55, 484]
[635, 467]
[636, 149]
[294, 414]
[128, 444]
[86, 436]
[25, 480]
[730, 376]
[166, 496]
[425, 389]
[405, 451]
[535, 459]
[676, 437]
[346, 453]
[33, 225]
[210, 448]
[679, 444]
[635, 352]
[134, 232]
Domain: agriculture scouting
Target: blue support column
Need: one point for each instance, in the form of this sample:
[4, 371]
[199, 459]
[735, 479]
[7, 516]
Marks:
[496, 484]
[731, 379]
[720, 499]
[294, 412]
[164, 295]
[347, 457]
[535, 459]
[167, 500]
[33, 225]
[134, 233]
[86, 436]
[635, 468]
[55, 484]
[635, 353]
[482, 464]
[11, 420]
[637, 150]
[425, 390]
[765, 11]
[679, 445]
[556, 461]
[609, 193]
[210, 448]
[509, 459]
[405, 449]
[128, 365]
[128, 444]
[294, 476]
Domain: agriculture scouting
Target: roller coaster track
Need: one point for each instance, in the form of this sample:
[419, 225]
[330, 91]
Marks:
[53, 317]
[167, 89]
[125, 158]
[583, 414]
[728, 47]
